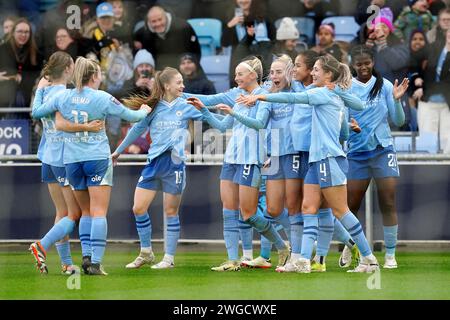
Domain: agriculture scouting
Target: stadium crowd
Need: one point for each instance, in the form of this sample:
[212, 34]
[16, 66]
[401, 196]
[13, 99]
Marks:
[133, 39]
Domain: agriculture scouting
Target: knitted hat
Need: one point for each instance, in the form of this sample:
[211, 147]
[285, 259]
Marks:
[386, 16]
[287, 30]
[412, 2]
[143, 56]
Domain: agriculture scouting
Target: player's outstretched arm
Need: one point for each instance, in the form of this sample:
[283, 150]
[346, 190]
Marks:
[63, 124]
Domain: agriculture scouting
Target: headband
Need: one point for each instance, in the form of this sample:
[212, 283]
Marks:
[328, 27]
[248, 67]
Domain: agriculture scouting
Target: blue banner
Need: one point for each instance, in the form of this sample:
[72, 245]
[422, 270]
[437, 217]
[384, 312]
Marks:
[14, 137]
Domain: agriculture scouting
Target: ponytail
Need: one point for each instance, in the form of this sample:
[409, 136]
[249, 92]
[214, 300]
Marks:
[84, 70]
[56, 65]
[341, 74]
[254, 65]
[157, 91]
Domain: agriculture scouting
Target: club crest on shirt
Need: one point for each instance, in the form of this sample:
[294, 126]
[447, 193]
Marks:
[179, 113]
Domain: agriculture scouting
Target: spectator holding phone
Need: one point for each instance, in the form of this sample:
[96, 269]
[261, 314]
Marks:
[141, 83]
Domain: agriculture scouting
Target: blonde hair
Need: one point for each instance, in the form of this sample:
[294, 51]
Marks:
[56, 65]
[341, 74]
[157, 92]
[289, 66]
[84, 70]
[254, 65]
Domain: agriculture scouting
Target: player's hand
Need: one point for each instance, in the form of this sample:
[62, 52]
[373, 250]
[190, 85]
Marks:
[43, 83]
[95, 126]
[146, 108]
[248, 100]
[115, 156]
[331, 86]
[194, 101]
[399, 90]
[418, 94]
[354, 126]
[225, 108]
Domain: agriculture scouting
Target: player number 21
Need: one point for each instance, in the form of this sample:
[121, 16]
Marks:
[392, 160]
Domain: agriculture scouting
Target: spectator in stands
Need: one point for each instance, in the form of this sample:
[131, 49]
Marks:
[69, 41]
[57, 18]
[247, 13]
[436, 6]
[140, 145]
[394, 6]
[415, 16]
[7, 25]
[123, 28]
[391, 55]
[326, 44]
[102, 39]
[434, 107]
[249, 33]
[144, 71]
[20, 64]
[195, 80]
[166, 37]
[437, 33]
[418, 60]
[287, 39]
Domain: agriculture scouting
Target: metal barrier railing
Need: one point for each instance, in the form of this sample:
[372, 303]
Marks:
[126, 159]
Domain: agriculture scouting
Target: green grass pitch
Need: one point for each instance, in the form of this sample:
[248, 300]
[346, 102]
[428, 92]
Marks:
[420, 276]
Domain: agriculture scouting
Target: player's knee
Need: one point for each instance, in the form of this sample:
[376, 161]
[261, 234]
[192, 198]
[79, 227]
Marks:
[171, 212]
[309, 208]
[274, 211]
[138, 210]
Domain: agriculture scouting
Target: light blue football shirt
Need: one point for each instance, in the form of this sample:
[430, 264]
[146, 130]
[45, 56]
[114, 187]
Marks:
[82, 107]
[373, 120]
[327, 118]
[51, 147]
[246, 145]
[168, 124]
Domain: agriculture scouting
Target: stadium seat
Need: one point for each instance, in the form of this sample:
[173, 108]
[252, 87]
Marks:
[209, 33]
[427, 142]
[138, 25]
[217, 69]
[305, 27]
[346, 27]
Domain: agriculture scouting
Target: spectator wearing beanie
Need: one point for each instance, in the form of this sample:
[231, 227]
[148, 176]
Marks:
[416, 16]
[144, 70]
[326, 44]
[195, 80]
[287, 38]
